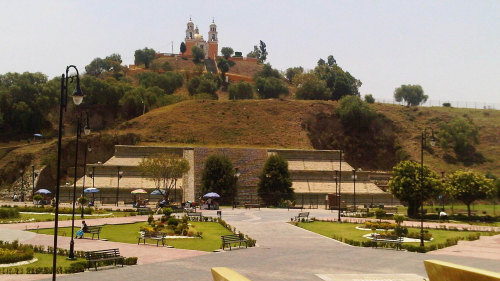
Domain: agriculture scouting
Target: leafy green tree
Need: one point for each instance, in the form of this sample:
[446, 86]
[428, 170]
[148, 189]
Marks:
[331, 60]
[262, 51]
[355, 114]
[369, 99]
[321, 62]
[268, 71]
[271, 87]
[205, 84]
[164, 169]
[183, 48]
[255, 53]
[406, 184]
[312, 88]
[468, 186]
[275, 183]
[227, 52]
[292, 72]
[413, 95]
[96, 67]
[223, 65]
[461, 134]
[198, 54]
[341, 83]
[168, 81]
[218, 176]
[240, 90]
[144, 56]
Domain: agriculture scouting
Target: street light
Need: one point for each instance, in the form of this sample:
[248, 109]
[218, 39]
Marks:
[63, 101]
[120, 175]
[22, 185]
[89, 149]
[78, 134]
[340, 182]
[354, 180]
[237, 176]
[432, 142]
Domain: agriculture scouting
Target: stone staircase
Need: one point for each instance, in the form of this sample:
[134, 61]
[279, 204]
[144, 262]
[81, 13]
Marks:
[211, 66]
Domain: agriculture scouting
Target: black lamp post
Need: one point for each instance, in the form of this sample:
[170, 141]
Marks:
[34, 175]
[432, 141]
[236, 176]
[78, 135]
[89, 149]
[354, 181]
[340, 182]
[63, 101]
[22, 185]
[119, 175]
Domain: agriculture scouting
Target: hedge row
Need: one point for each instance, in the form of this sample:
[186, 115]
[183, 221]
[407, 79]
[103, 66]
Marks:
[46, 209]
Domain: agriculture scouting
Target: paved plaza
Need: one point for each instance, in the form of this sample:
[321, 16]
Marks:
[283, 252]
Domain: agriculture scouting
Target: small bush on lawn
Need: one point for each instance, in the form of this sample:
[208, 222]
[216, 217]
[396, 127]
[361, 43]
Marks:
[379, 225]
[130, 261]
[14, 252]
[173, 221]
[9, 213]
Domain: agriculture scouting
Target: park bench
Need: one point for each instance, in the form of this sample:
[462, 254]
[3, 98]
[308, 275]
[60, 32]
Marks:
[103, 255]
[303, 215]
[144, 211]
[198, 215]
[155, 236]
[233, 239]
[393, 240]
[94, 230]
[248, 206]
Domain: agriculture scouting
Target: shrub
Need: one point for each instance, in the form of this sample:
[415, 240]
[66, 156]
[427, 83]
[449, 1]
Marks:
[447, 104]
[151, 220]
[167, 211]
[38, 197]
[241, 90]
[369, 99]
[355, 114]
[380, 213]
[9, 213]
[130, 261]
[14, 252]
[173, 221]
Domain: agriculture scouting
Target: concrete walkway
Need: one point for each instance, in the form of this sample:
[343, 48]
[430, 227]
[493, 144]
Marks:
[284, 252]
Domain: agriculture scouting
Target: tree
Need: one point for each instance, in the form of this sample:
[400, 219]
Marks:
[198, 54]
[218, 176]
[168, 81]
[164, 169]
[355, 114]
[468, 187]
[312, 88]
[413, 95]
[461, 134]
[262, 51]
[271, 87]
[292, 72]
[183, 48]
[240, 90]
[223, 65]
[144, 56]
[206, 84]
[405, 184]
[227, 52]
[275, 183]
[255, 53]
[331, 60]
[268, 71]
[321, 62]
[369, 99]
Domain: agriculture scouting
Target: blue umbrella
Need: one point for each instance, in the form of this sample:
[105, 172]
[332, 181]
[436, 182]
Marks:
[91, 190]
[158, 192]
[211, 195]
[43, 191]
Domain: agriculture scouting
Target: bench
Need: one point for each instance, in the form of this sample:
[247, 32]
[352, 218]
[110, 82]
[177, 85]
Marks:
[248, 206]
[304, 215]
[233, 239]
[103, 255]
[144, 211]
[94, 229]
[156, 236]
[198, 215]
[396, 240]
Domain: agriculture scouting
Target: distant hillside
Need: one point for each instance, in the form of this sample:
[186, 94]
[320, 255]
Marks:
[312, 124]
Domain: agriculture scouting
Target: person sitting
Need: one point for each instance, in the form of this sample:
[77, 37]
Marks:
[83, 228]
[442, 215]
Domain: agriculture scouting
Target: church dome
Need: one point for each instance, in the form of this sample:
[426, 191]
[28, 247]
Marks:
[198, 36]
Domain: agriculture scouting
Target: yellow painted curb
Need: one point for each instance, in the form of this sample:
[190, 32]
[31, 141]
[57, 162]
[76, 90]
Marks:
[445, 271]
[227, 274]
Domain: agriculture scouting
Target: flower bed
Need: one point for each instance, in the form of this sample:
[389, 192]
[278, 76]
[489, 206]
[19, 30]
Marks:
[379, 225]
[13, 252]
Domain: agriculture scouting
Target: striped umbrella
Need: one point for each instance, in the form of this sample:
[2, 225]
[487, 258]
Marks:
[139, 191]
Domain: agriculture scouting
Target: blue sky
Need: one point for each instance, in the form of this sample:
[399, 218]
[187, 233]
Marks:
[451, 48]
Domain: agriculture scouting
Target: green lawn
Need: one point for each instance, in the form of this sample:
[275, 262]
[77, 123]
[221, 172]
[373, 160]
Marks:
[45, 260]
[50, 217]
[128, 233]
[480, 209]
[348, 230]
